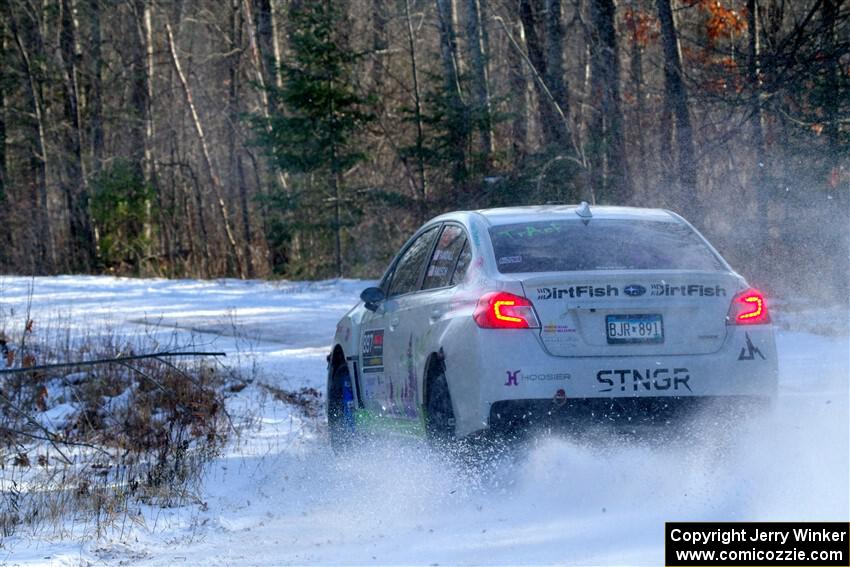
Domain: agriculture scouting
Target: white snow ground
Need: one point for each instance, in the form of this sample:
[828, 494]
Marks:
[279, 496]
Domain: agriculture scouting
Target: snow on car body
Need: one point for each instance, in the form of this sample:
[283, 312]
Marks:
[521, 313]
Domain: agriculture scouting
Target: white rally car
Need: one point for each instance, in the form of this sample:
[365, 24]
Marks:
[499, 318]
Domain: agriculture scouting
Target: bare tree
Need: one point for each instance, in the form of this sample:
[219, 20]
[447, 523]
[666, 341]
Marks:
[676, 101]
[45, 260]
[95, 94]
[756, 118]
[3, 111]
[610, 171]
[518, 81]
[237, 174]
[417, 109]
[638, 80]
[215, 179]
[452, 91]
[476, 39]
[75, 178]
[554, 73]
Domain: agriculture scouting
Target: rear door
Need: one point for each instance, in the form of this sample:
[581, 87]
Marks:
[611, 287]
[401, 311]
[420, 313]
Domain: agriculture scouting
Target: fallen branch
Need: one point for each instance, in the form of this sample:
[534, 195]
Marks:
[118, 360]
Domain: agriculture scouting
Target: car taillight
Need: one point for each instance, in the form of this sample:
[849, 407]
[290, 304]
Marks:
[503, 310]
[748, 308]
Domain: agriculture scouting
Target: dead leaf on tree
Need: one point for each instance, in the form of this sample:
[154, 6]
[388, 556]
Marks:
[41, 399]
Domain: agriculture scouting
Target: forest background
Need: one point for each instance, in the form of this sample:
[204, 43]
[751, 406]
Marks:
[308, 139]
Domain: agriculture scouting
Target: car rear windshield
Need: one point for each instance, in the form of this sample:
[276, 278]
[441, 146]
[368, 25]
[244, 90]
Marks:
[601, 244]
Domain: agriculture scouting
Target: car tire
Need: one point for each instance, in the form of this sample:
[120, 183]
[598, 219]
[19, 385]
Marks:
[341, 420]
[439, 413]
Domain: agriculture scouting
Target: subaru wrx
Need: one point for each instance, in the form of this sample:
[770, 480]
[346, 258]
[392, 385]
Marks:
[497, 319]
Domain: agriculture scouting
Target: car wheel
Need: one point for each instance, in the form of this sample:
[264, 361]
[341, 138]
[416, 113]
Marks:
[439, 415]
[341, 421]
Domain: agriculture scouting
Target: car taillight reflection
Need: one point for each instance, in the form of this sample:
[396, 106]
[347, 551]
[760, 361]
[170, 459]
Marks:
[503, 310]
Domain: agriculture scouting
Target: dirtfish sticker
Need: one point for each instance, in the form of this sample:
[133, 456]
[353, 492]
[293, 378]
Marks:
[687, 290]
[631, 290]
[577, 291]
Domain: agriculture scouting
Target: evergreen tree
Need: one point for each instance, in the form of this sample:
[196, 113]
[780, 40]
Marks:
[313, 134]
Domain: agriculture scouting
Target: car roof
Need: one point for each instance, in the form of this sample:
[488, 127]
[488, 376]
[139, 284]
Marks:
[511, 215]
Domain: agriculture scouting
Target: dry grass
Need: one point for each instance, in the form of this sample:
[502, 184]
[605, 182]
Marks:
[89, 447]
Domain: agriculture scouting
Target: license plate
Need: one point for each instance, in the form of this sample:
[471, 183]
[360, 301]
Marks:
[624, 329]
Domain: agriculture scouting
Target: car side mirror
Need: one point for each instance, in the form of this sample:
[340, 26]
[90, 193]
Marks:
[372, 297]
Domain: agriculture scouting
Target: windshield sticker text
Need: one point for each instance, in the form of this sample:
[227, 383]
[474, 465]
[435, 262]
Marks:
[530, 231]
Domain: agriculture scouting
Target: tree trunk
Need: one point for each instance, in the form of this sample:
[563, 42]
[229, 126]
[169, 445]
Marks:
[611, 167]
[829, 14]
[757, 128]
[640, 106]
[236, 173]
[74, 183]
[45, 261]
[676, 99]
[476, 39]
[147, 76]
[336, 180]
[140, 130]
[552, 115]
[417, 109]
[262, 47]
[276, 48]
[837, 146]
[554, 76]
[380, 40]
[202, 140]
[3, 104]
[519, 95]
[448, 48]
[150, 169]
[95, 103]
[458, 132]
[262, 27]
[7, 234]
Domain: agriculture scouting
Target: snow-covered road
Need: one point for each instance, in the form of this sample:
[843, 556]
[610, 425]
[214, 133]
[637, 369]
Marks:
[279, 496]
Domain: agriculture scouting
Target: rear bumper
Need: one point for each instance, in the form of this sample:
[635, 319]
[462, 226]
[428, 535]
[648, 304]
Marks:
[497, 367]
[514, 415]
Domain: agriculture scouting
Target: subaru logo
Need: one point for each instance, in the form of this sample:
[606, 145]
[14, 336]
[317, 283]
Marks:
[634, 290]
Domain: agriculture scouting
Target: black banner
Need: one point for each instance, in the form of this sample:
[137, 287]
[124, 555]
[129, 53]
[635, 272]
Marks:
[762, 544]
